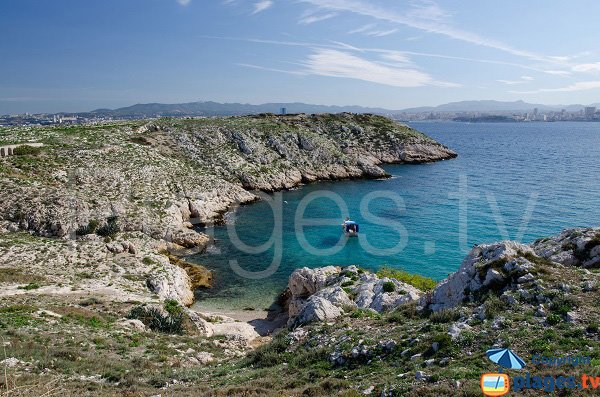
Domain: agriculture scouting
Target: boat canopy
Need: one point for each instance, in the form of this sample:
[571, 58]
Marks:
[351, 226]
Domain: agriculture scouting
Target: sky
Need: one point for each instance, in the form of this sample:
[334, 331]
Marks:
[75, 55]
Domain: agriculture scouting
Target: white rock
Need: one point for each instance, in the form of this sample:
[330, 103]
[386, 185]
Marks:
[172, 283]
[305, 282]
[493, 276]
[455, 329]
[12, 362]
[48, 313]
[336, 295]
[451, 292]
[317, 309]
[205, 357]
[132, 324]
[528, 278]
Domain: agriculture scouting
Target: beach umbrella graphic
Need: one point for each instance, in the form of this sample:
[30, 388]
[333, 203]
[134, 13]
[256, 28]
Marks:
[505, 358]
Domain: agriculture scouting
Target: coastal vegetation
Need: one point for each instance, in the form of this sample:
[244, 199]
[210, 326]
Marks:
[416, 280]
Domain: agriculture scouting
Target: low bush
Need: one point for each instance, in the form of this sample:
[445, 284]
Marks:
[90, 228]
[27, 150]
[170, 322]
[421, 282]
[110, 228]
[444, 316]
[389, 286]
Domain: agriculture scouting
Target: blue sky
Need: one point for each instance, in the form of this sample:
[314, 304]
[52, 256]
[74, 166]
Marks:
[74, 55]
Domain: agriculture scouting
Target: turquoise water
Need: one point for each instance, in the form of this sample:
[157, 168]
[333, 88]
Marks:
[523, 181]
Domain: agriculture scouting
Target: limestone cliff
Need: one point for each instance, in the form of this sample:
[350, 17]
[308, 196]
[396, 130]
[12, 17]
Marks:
[165, 176]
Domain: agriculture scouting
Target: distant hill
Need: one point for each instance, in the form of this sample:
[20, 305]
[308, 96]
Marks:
[491, 106]
[210, 108]
[227, 109]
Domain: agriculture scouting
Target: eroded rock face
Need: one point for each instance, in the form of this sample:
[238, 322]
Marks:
[173, 283]
[486, 265]
[210, 325]
[317, 308]
[305, 282]
[323, 294]
[573, 247]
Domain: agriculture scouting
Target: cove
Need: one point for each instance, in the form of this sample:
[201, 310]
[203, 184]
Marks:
[516, 181]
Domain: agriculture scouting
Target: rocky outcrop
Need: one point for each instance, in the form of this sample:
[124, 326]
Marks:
[123, 270]
[510, 270]
[573, 247]
[485, 267]
[173, 283]
[216, 325]
[324, 294]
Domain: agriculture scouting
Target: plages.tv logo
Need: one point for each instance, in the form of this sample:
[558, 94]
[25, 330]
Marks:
[498, 384]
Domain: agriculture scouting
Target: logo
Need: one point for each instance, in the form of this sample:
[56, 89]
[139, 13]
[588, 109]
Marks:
[495, 384]
[498, 384]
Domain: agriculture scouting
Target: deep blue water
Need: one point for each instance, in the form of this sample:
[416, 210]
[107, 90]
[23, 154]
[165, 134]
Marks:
[523, 181]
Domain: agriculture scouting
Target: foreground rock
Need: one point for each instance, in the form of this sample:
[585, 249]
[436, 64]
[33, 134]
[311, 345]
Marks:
[573, 247]
[323, 294]
[509, 269]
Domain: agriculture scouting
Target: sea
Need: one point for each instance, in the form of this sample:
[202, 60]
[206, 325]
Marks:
[517, 181]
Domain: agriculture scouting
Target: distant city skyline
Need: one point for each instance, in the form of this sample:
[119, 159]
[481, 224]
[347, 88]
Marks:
[73, 56]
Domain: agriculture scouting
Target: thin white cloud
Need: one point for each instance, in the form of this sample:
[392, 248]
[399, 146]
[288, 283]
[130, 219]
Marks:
[262, 5]
[426, 16]
[381, 33]
[252, 66]
[334, 63]
[523, 80]
[308, 19]
[338, 45]
[587, 67]
[184, 2]
[363, 28]
[396, 57]
[557, 72]
[579, 86]
[371, 30]
[511, 82]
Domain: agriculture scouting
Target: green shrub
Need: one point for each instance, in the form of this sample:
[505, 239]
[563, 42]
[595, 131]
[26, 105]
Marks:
[553, 319]
[172, 307]
[389, 286]
[29, 286]
[110, 229]
[347, 283]
[421, 282]
[27, 150]
[562, 304]
[444, 316]
[365, 313]
[90, 228]
[403, 312]
[156, 320]
[270, 354]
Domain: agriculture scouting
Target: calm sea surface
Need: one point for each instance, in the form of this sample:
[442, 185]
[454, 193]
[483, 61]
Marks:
[519, 181]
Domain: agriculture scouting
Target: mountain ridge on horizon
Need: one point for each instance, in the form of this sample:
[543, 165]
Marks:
[212, 108]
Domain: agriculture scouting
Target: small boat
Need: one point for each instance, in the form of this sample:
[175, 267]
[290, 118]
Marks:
[350, 228]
